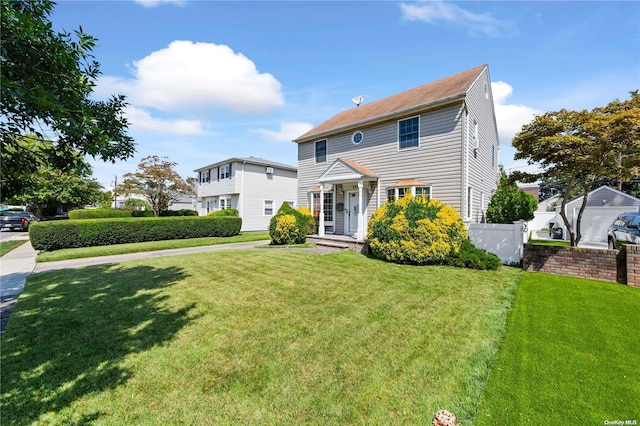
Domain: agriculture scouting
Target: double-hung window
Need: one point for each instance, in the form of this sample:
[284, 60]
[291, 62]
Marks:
[225, 171]
[409, 133]
[321, 151]
[268, 207]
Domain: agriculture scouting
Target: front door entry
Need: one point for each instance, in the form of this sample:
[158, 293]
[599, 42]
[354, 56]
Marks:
[351, 212]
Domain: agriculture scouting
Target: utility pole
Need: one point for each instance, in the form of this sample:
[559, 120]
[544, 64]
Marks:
[115, 194]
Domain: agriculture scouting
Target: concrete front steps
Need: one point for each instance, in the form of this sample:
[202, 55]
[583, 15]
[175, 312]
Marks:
[338, 243]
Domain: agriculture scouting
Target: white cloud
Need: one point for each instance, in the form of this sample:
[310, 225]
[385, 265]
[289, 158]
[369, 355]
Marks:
[142, 120]
[288, 131]
[192, 76]
[510, 118]
[154, 3]
[434, 11]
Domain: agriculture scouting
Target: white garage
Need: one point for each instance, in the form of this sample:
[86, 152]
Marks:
[603, 205]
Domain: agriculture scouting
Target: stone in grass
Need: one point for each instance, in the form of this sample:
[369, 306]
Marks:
[444, 418]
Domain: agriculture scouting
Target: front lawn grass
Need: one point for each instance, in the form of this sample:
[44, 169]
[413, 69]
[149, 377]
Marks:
[82, 252]
[554, 243]
[7, 246]
[252, 337]
[570, 355]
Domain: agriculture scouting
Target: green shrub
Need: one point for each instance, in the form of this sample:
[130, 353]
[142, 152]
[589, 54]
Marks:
[224, 212]
[418, 231]
[97, 232]
[98, 213]
[142, 213]
[183, 212]
[472, 257]
[290, 226]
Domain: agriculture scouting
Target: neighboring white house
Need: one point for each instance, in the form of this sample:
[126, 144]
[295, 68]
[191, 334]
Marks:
[255, 186]
[604, 204]
[439, 140]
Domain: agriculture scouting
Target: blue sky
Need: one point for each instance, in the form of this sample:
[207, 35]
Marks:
[209, 80]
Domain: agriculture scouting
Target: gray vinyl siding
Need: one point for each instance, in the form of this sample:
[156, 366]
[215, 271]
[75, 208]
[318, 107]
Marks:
[596, 197]
[483, 169]
[437, 161]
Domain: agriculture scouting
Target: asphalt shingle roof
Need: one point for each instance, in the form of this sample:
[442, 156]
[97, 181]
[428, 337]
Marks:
[422, 96]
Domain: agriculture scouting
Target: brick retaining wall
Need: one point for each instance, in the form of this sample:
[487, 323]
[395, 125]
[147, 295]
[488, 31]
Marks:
[621, 266]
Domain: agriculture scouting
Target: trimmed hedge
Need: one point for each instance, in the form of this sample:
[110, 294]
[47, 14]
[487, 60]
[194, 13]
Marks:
[50, 236]
[224, 212]
[98, 213]
[183, 212]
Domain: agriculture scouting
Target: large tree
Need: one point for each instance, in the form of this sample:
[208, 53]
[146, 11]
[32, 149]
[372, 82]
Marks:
[157, 182]
[579, 147]
[46, 80]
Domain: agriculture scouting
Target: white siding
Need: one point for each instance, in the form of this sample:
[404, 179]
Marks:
[258, 186]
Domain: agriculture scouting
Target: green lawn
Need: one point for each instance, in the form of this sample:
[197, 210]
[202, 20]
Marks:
[252, 337]
[7, 246]
[555, 243]
[570, 355]
[78, 253]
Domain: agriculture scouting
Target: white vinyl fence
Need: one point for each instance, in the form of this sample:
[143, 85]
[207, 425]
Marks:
[504, 240]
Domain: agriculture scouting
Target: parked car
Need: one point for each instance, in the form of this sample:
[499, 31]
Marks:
[624, 230]
[17, 220]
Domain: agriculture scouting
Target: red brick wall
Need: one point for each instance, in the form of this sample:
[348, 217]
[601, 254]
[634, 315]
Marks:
[597, 264]
[633, 265]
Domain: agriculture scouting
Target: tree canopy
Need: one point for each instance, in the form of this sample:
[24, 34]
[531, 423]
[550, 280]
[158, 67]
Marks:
[46, 80]
[157, 182]
[509, 203]
[579, 147]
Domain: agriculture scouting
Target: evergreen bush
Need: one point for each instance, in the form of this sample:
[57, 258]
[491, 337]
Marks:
[290, 226]
[98, 213]
[99, 232]
[418, 231]
[224, 212]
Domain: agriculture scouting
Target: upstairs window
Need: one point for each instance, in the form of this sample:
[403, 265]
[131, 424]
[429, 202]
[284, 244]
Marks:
[225, 171]
[321, 151]
[408, 133]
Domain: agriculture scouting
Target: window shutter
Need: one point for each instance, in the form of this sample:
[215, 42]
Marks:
[230, 170]
[218, 174]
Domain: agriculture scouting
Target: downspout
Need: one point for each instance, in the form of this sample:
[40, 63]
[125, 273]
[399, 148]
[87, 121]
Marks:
[465, 157]
[241, 197]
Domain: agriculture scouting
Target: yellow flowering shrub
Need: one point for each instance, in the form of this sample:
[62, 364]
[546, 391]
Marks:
[416, 231]
[291, 226]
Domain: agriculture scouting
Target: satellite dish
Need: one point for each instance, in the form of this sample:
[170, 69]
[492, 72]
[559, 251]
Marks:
[358, 100]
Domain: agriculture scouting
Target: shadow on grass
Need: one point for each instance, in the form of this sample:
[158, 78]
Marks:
[71, 330]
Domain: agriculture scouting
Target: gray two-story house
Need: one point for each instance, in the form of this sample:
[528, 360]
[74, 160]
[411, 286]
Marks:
[255, 186]
[439, 140]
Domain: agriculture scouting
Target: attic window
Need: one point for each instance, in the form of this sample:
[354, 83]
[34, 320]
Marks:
[357, 137]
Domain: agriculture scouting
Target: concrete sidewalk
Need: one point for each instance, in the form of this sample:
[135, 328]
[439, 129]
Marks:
[19, 263]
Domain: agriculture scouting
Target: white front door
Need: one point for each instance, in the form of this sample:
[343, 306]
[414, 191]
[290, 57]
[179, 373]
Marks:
[351, 212]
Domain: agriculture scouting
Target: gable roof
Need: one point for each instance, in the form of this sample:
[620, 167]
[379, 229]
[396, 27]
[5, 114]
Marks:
[605, 188]
[430, 94]
[250, 160]
[350, 170]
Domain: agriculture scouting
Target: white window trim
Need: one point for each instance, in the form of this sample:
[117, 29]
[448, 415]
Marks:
[412, 190]
[326, 151]
[398, 133]
[291, 203]
[264, 207]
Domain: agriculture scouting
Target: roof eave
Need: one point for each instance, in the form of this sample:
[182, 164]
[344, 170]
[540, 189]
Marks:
[384, 117]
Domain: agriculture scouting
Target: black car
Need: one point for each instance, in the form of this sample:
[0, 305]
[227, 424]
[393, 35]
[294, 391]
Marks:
[13, 220]
[624, 230]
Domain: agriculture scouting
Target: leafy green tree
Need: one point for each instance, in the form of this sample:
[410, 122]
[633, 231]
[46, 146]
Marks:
[157, 182]
[580, 147]
[46, 80]
[509, 203]
[53, 192]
